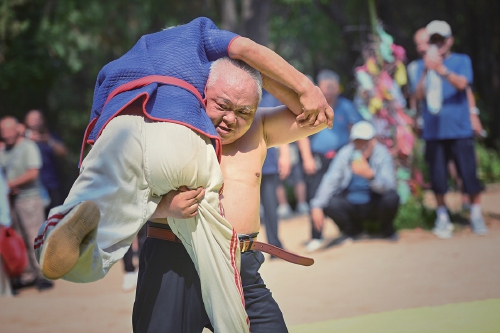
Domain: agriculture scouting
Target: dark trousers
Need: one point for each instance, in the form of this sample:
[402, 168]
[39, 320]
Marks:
[128, 258]
[168, 296]
[312, 184]
[270, 204]
[56, 199]
[349, 217]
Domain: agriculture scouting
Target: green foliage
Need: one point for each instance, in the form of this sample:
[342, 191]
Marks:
[413, 214]
[418, 161]
[488, 161]
[51, 51]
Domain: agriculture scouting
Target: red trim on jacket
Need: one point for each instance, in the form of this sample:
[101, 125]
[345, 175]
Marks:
[141, 83]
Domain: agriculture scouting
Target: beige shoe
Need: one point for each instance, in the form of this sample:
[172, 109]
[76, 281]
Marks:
[61, 247]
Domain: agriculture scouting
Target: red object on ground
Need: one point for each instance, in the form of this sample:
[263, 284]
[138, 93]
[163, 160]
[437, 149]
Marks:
[13, 252]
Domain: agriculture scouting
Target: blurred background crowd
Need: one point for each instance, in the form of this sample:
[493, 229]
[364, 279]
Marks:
[415, 88]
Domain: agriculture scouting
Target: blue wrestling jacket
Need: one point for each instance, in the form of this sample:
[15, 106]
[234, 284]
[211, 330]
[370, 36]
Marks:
[169, 69]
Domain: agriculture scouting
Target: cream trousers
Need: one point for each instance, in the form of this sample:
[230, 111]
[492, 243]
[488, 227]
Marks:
[133, 163]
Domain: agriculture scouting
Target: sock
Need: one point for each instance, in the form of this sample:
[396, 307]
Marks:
[475, 211]
[442, 214]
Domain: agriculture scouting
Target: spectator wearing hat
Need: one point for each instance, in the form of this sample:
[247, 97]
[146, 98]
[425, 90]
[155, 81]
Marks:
[320, 149]
[359, 185]
[447, 126]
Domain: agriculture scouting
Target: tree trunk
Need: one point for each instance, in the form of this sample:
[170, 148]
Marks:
[255, 17]
[229, 16]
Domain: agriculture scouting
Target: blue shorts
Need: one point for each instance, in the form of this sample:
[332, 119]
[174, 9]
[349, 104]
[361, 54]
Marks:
[168, 296]
[462, 152]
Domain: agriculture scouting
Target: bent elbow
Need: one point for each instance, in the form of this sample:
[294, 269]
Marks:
[239, 47]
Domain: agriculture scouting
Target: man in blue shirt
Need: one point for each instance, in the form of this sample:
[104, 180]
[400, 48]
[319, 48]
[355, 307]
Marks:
[447, 128]
[270, 181]
[318, 150]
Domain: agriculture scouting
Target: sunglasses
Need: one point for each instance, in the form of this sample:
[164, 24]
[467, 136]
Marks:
[436, 39]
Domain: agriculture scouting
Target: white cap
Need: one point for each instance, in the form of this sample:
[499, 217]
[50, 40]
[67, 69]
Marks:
[438, 27]
[362, 130]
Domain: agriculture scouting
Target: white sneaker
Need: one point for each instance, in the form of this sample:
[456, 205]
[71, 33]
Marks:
[129, 281]
[443, 228]
[314, 245]
[478, 226]
[284, 211]
[302, 208]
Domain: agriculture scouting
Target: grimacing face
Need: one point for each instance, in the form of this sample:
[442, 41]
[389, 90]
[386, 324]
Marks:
[231, 106]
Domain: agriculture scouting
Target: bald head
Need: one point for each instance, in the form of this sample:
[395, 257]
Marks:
[234, 72]
[328, 83]
[421, 40]
[9, 130]
[35, 120]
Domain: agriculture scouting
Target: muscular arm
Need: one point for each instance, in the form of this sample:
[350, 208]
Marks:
[307, 157]
[280, 123]
[313, 103]
[280, 127]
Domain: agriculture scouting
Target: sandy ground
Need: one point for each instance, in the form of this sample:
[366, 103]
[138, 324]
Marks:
[368, 276]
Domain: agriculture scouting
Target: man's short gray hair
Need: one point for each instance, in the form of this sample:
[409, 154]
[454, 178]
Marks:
[220, 66]
[327, 74]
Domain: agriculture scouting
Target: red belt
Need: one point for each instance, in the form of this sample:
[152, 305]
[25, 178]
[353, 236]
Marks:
[246, 244]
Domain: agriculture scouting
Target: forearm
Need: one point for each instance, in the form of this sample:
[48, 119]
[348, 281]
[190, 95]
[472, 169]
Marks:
[283, 93]
[284, 152]
[456, 80]
[305, 148]
[471, 100]
[58, 147]
[28, 177]
[326, 190]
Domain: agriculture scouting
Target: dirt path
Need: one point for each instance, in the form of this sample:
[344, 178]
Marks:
[368, 276]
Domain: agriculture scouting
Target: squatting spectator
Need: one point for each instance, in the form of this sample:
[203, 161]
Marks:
[359, 185]
[318, 150]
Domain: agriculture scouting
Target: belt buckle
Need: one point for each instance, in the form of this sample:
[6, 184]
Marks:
[246, 242]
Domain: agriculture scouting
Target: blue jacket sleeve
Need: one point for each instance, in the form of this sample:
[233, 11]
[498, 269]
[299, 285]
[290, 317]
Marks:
[384, 170]
[216, 41]
[331, 183]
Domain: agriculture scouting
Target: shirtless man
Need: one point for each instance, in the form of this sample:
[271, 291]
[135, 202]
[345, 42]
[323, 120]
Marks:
[138, 157]
[168, 296]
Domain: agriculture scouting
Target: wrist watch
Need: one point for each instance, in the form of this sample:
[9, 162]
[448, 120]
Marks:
[474, 110]
[446, 73]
